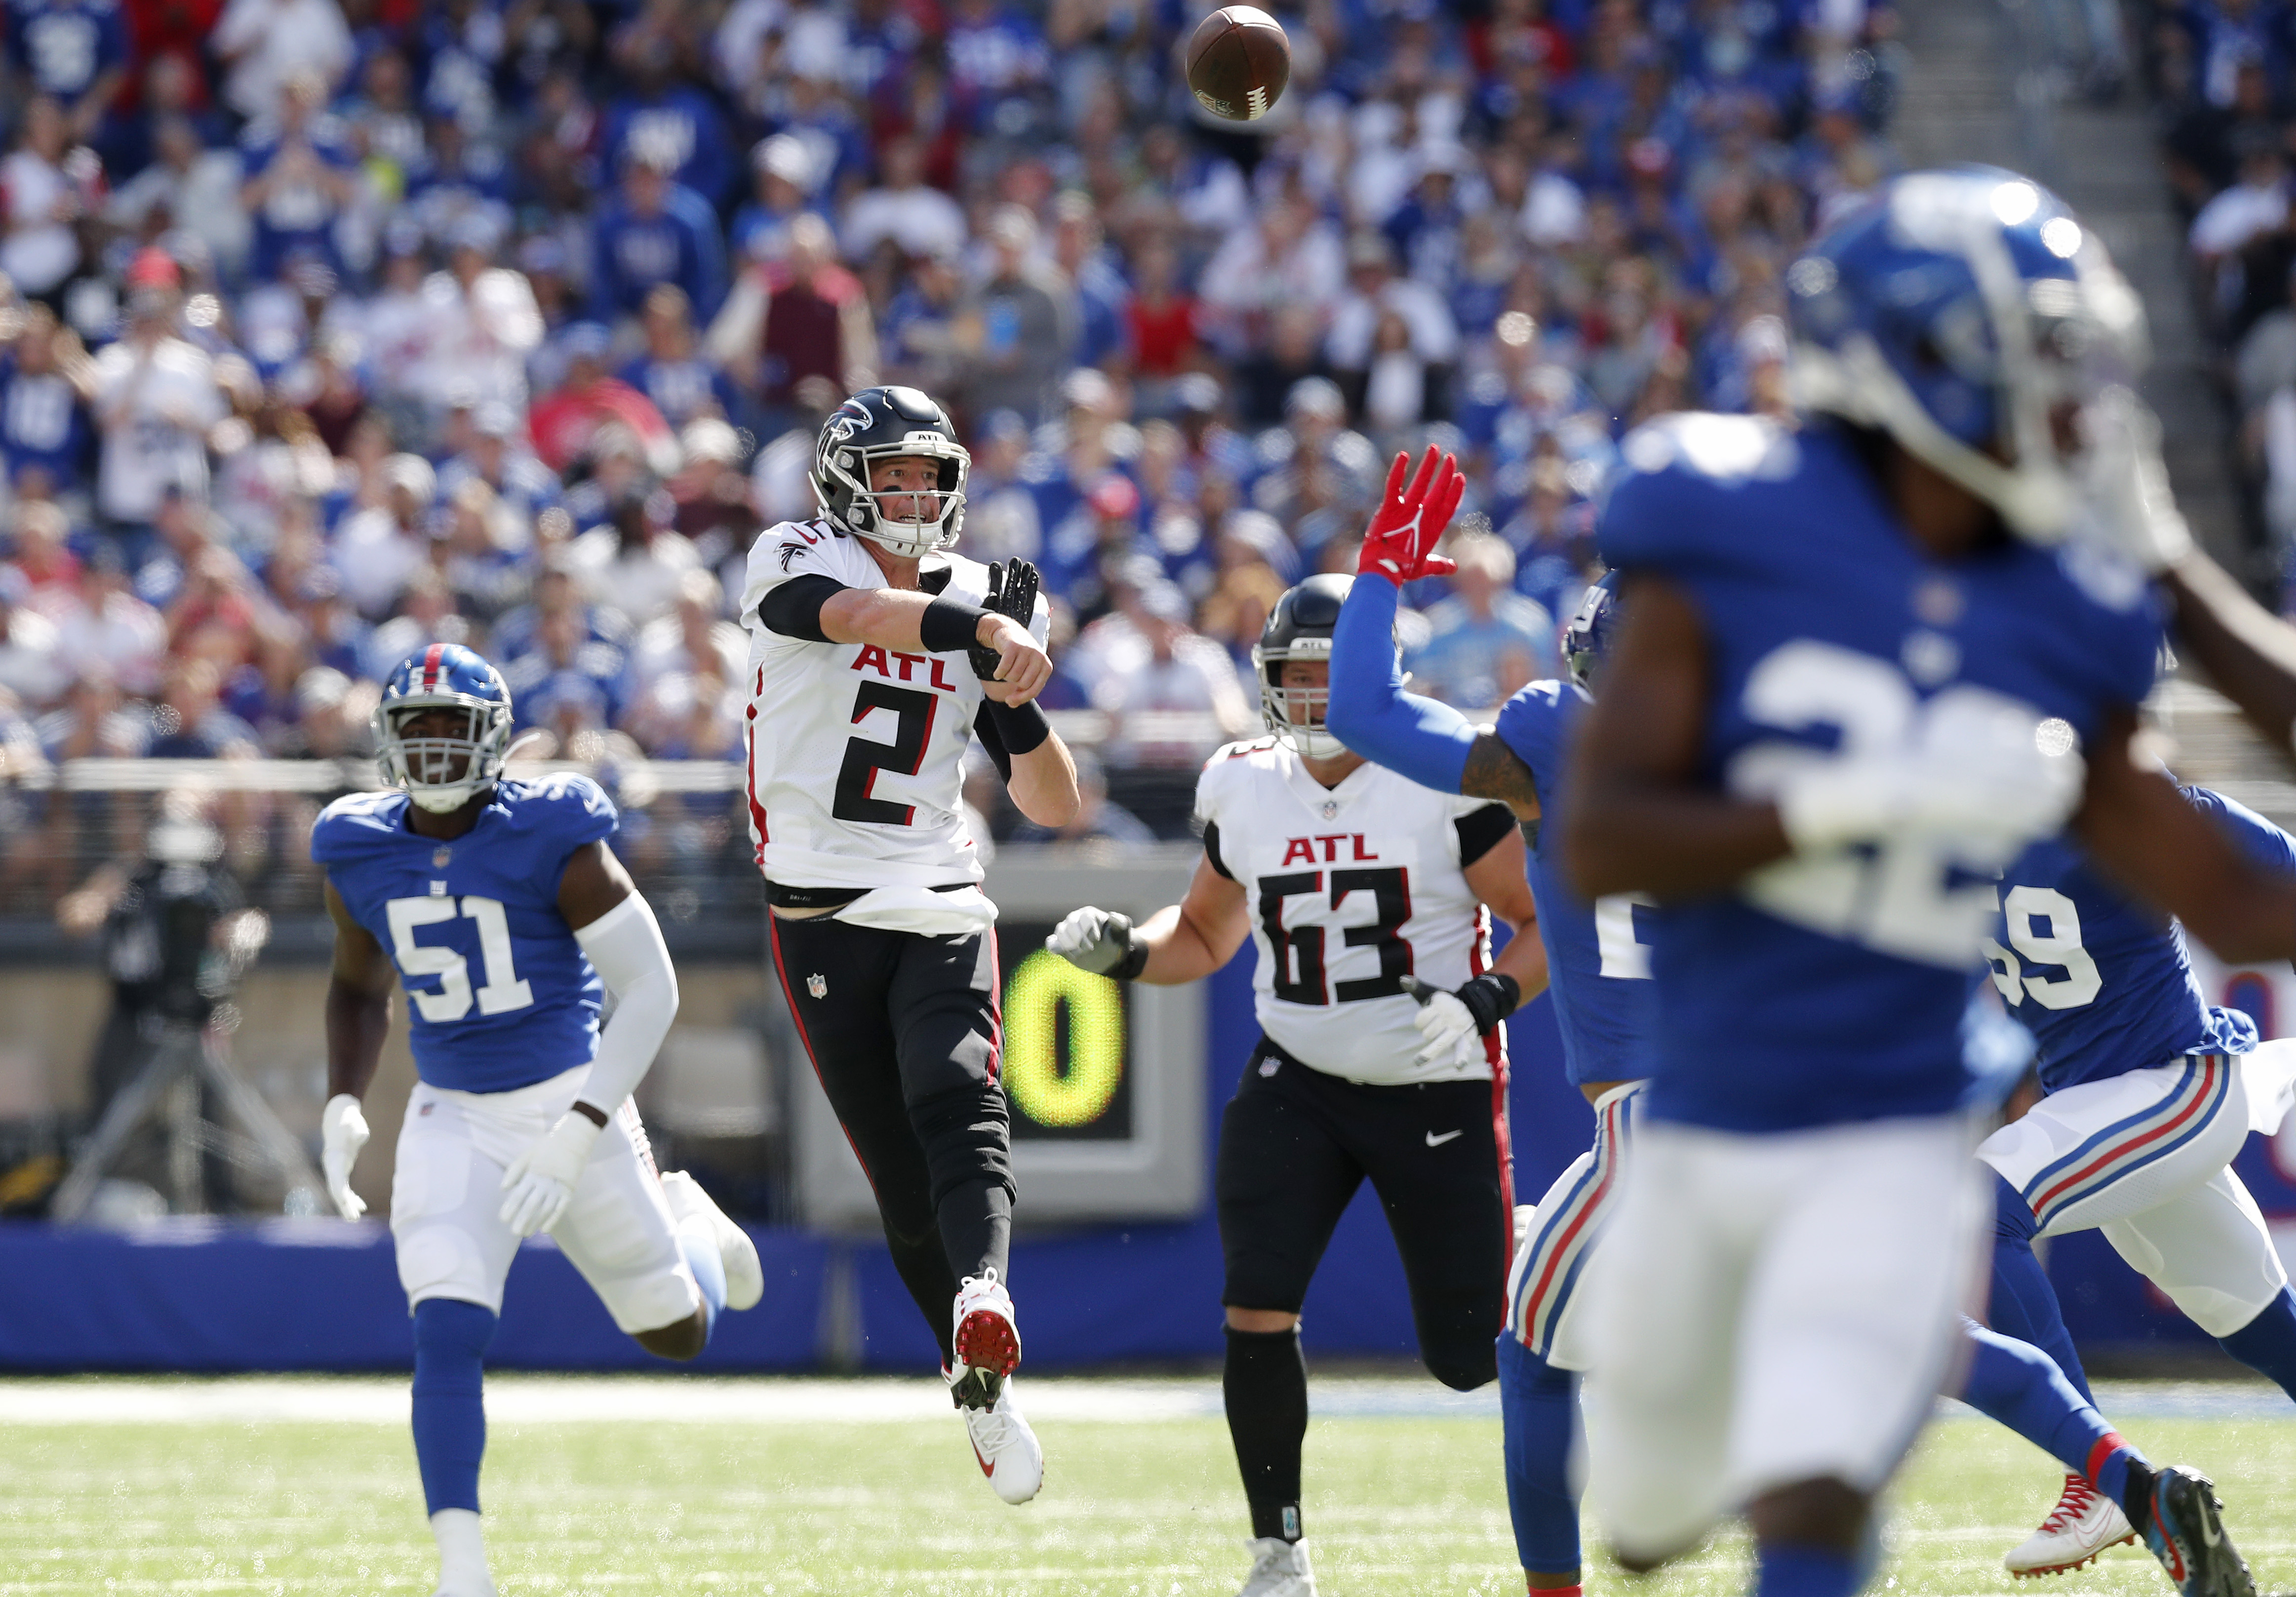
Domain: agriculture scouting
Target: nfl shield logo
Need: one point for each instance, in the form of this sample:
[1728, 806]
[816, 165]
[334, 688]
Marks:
[817, 985]
[440, 857]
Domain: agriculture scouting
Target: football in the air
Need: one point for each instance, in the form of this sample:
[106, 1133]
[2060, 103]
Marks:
[1238, 63]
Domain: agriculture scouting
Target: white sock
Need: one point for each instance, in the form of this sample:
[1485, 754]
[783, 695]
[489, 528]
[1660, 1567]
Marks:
[461, 1554]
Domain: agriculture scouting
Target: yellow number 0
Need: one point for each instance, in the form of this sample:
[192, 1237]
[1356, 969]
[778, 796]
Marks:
[1032, 1068]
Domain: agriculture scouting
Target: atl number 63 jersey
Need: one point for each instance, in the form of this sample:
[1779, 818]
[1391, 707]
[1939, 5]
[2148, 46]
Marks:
[856, 753]
[1351, 889]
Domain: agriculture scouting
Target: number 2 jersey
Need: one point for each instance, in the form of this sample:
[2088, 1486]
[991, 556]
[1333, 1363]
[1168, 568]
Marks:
[2104, 984]
[1829, 988]
[1350, 889]
[856, 753]
[499, 995]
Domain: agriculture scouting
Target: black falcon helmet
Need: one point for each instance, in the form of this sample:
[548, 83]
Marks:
[878, 424]
[1300, 627]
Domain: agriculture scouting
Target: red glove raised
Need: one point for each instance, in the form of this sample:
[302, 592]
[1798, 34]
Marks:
[1400, 543]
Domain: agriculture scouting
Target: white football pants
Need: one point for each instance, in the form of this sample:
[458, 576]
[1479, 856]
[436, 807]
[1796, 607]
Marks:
[446, 1202]
[2144, 1159]
[1771, 1309]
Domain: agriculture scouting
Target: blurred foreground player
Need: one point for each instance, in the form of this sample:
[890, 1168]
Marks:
[1857, 678]
[2150, 1091]
[876, 659]
[1843, 695]
[496, 904]
[1362, 891]
[1599, 975]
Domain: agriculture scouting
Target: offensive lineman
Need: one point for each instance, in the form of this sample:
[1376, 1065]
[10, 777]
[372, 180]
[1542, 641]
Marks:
[876, 657]
[1367, 895]
[496, 904]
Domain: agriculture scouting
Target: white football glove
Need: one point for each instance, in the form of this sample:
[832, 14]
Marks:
[539, 1184]
[1097, 940]
[1449, 1028]
[342, 1133]
[2125, 482]
[1983, 768]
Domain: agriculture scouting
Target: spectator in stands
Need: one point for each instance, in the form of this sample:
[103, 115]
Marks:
[39, 556]
[111, 633]
[156, 396]
[192, 185]
[300, 179]
[1099, 819]
[267, 42]
[1486, 639]
[378, 549]
[803, 317]
[426, 615]
[655, 230]
[783, 189]
[1026, 340]
[564, 422]
[566, 680]
[48, 430]
[671, 372]
[921, 219]
[74, 52]
[498, 456]
[481, 324]
[2258, 204]
[40, 203]
[1100, 299]
[1173, 694]
[667, 125]
[32, 664]
[634, 562]
[190, 723]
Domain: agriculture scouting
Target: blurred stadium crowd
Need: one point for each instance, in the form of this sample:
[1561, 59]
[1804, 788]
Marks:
[331, 328]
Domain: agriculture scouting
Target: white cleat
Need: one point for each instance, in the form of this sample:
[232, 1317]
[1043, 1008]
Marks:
[1279, 1569]
[986, 1342]
[1006, 1448]
[745, 1277]
[2083, 1523]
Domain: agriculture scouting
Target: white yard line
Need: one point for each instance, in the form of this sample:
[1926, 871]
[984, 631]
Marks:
[514, 1399]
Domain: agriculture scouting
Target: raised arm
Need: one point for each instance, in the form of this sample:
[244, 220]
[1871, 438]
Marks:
[2135, 823]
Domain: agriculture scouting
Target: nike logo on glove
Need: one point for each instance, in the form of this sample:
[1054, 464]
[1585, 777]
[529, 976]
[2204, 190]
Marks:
[1435, 1142]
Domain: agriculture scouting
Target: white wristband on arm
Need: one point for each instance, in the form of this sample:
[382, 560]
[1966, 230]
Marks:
[624, 947]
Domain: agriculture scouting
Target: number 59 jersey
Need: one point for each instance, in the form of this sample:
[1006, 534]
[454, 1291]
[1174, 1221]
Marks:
[499, 995]
[1829, 987]
[1350, 889]
[856, 753]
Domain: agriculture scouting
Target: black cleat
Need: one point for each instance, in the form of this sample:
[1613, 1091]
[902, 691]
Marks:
[2186, 1532]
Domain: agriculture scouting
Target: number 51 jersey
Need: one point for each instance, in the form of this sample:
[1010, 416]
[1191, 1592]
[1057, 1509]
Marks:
[856, 753]
[1350, 888]
[499, 995]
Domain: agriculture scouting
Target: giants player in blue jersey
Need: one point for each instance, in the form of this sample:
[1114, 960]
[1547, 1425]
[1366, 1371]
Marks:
[1856, 680]
[2150, 1093]
[1599, 981]
[495, 905]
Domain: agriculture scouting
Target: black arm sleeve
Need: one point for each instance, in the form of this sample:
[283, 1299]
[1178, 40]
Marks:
[793, 609]
[1480, 832]
[984, 727]
[1211, 850]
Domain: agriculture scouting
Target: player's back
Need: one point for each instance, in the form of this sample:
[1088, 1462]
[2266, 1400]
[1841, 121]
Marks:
[499, 992]
[1597, 959]
[1830, 987]
[2103, 983]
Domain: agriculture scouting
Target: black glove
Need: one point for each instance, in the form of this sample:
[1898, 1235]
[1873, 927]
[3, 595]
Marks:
[1012, 592]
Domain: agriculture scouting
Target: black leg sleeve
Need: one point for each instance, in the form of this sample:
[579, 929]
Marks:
[1266, 1385]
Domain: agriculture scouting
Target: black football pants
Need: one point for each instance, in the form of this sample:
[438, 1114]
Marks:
[905, 1033]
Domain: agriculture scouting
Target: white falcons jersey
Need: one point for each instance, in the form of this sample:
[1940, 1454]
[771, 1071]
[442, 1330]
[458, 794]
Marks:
[1349, 888]
[856, 753]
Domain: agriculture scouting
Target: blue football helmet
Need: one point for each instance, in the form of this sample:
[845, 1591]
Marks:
[1959, 313]
[444, 772]
[1586, 640]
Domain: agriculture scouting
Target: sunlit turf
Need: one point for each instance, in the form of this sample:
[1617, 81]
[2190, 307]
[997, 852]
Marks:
[1413, 1503]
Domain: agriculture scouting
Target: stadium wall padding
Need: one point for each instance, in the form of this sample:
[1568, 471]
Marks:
[317, 1295]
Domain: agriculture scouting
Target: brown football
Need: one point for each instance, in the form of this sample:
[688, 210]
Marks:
[1238, 63]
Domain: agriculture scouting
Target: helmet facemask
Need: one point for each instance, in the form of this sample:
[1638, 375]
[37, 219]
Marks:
[1295, 713]
[440, 770]
[894, 519]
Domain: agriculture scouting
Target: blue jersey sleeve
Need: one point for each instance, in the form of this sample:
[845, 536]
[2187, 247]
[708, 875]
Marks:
[1681, 501]
[2258, 838]
[1535, 725]
[561, 813]
[1370, 712]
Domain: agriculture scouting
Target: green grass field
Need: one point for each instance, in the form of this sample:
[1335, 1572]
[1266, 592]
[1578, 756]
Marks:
[695, 1488]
